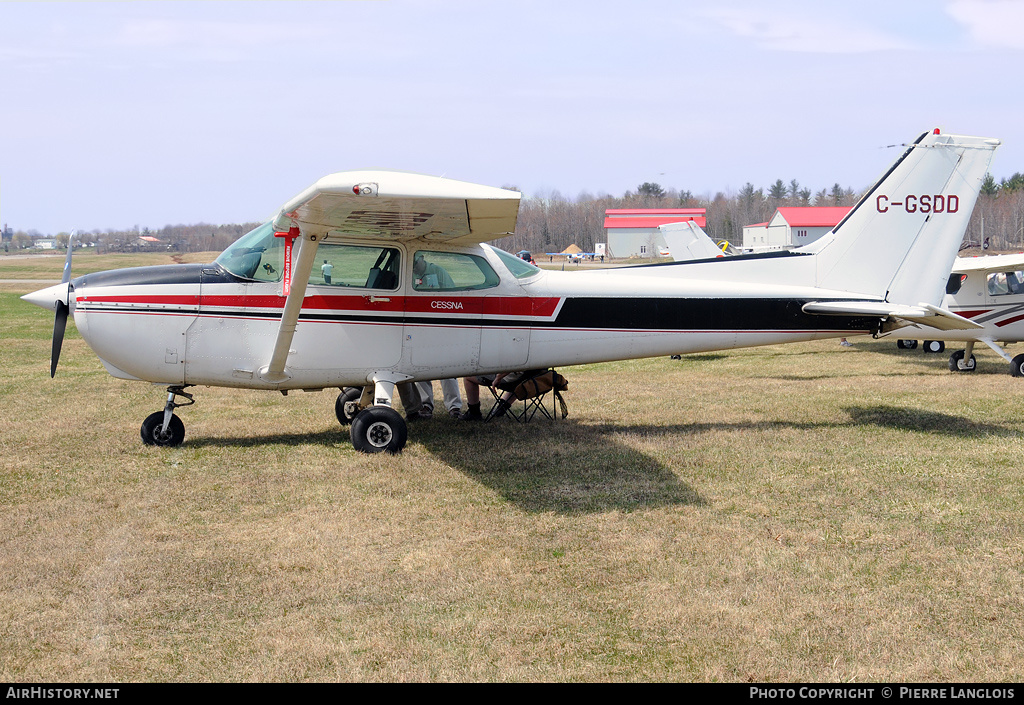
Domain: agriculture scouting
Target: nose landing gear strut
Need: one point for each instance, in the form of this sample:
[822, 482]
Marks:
[164, 428]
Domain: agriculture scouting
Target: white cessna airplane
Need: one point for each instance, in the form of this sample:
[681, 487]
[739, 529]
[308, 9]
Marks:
[989, 291]
[377, 278]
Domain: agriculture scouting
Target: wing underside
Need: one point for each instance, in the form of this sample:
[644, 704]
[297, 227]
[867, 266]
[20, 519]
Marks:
[400, 206]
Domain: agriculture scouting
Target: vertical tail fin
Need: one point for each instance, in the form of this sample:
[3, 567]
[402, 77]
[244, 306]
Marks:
[688, 241]
[900, 240]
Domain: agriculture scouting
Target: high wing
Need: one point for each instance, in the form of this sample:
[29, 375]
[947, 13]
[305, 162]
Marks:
[989, 263]
[399, 205]
[390, 205]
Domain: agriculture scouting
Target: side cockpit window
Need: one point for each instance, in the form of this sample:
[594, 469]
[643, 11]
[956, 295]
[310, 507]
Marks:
[356, 266]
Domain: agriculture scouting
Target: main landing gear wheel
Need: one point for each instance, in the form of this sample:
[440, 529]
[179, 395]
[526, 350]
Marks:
[1017, 366]
[379, 429]
[345, 411]
[153, 434]
[934, 346]
[955, 359]
[906, 344]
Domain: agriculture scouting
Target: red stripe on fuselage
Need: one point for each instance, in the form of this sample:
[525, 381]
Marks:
[450, 305]
[972, 314]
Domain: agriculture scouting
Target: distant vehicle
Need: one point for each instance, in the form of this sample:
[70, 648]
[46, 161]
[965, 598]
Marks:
[525, 256]
[989, 292]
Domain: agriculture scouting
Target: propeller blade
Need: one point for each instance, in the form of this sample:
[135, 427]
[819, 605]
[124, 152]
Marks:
[60, 322]
[60, 319]
[66, 276]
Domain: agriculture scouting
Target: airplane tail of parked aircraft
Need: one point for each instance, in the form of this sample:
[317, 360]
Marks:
[900, 240]
[687, 241]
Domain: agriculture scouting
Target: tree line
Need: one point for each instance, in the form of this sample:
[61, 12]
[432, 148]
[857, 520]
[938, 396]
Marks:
[550, 222]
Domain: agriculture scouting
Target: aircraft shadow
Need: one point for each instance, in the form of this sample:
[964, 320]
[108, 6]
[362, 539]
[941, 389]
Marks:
[561, 467]
[988, 361]
[288, 439]
[920, 420]
[569, 468]
[556, 466]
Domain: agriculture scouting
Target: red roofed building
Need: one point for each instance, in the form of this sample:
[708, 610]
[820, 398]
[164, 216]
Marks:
[633, 232]
[792, 227]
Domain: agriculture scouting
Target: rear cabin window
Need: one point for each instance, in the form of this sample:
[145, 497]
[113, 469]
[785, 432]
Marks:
[1006, 283]
[451, 271]
[519, 267]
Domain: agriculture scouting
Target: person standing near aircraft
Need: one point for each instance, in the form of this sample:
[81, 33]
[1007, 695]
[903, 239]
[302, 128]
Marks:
[326, 268]
[418, 398]
[450, 390]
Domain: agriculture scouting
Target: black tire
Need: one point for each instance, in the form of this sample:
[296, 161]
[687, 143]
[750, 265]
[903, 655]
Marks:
[906, 344]
[347, 394]
[1017, 366]
[379, 429]
[954, 362]
[151, 435]
[934, 346]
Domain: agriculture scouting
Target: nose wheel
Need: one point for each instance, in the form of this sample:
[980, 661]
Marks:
[164, 428]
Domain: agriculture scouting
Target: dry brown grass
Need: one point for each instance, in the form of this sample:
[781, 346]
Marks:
[790, 513]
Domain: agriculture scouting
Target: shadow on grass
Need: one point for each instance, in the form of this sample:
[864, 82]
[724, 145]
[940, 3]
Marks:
[562, 466]
[566, 467]
[986, 364]
[339, 435]
[704, 357]
[922, 421]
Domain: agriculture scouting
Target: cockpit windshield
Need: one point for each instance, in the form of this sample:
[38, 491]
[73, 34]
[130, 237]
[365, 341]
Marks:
[257, 255]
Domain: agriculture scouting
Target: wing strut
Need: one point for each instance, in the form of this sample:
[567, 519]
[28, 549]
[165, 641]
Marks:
[295, 286]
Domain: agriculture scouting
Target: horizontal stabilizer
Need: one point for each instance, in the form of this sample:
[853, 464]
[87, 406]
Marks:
[924, 314]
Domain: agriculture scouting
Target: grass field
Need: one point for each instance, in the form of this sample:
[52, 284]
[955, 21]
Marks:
[787, 513]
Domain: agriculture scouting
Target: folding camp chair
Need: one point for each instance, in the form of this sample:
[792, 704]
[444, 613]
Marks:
[532, 388]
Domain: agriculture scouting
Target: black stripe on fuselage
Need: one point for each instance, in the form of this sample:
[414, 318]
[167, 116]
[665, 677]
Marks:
[700, 314]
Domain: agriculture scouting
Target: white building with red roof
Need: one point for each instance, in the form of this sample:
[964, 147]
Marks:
[792, 227]
[633, 232]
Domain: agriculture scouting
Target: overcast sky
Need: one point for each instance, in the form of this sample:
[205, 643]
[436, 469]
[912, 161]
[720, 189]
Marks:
[116, 114]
